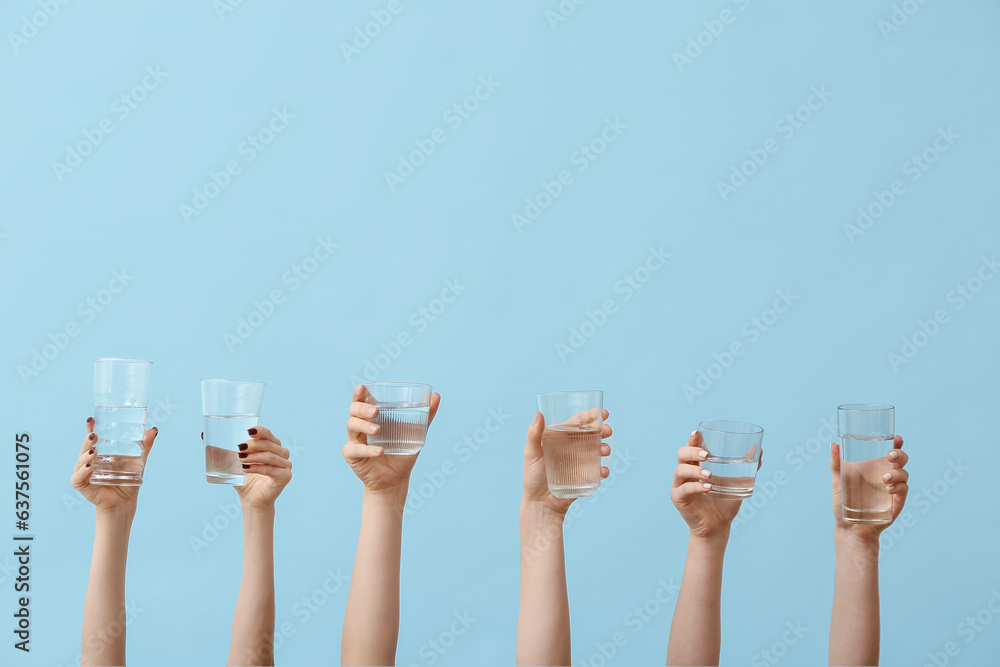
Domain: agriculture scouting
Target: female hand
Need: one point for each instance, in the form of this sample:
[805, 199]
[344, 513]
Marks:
[894, 480]
[378, 471]
[106, 497]
[705, 515]
[536, 486]
[267, 468]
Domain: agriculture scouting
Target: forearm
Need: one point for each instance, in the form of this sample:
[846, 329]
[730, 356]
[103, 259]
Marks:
[543, 632]
[253, 622]
[854, 624]
[104, 607]
[371, 621]
[696, 630]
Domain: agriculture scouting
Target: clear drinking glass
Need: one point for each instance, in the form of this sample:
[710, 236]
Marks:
[230, 407]
[403, 409]
[733, 455]
[121, 392]
[866, 436]
[571, 441]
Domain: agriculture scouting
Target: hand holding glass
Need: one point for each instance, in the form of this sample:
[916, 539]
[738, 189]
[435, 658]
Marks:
[733, 456]
[121, 392]
[571, 441]
[230, 407]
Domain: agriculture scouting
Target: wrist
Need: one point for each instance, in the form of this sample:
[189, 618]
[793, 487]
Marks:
[392, 497]
[257, 508]
[542, 511]
[714, 541]
[121, 512]
[845, 539]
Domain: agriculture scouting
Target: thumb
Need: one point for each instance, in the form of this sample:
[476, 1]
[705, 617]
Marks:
[533, 442]
[147, 442]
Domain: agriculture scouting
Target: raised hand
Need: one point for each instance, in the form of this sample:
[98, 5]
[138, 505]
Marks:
[105, 497]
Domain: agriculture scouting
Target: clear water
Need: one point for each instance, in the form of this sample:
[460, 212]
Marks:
[222, 438]
[404, 428]
[572, 460]
[863, 462]
[119, 430]
[732, 476]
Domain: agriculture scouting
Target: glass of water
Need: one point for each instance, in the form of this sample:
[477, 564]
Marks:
[121, 392]
[230, 407]
[866, 438]
[733, 456]
[571, 441]
[403, 409]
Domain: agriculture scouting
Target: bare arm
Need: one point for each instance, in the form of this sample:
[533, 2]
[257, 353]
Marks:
[371, 621]
[268, 470]
[854, 624]
[696, 630]
[543, 635]
[253, 622]
[103, 641]
[104, 607]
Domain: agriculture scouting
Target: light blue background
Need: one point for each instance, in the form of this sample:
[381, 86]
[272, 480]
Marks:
[495, 346]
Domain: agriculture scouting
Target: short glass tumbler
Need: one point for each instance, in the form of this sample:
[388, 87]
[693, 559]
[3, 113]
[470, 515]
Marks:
[403, 410]
[866, 438]
[733, 456]
[230, 408]
[571, 441]
[121, 394]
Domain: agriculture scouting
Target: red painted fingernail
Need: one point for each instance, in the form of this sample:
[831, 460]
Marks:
[242, 455]
[156, 429]
[246, 467]
[92, 436]
[90, 419]
[88, 465]
[91, 451]
[202, 435]
[252, 431]
[242, 446]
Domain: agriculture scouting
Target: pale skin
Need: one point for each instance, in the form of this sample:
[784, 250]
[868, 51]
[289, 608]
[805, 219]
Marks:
[543, 631]
[854, 625]
[371, 620]
[696, 629]
[104, 614]
[268, 470]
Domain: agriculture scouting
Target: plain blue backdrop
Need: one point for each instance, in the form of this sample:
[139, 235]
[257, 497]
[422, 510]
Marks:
[117, 115]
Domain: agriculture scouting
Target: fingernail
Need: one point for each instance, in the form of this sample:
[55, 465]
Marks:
[371, 412]
[92, 436]
[90, 419]
[243, 446]
[379, 450]
[373, 428]
[703, 454]
[242, 455]
[246, 467]
[88, 465]
[893, 455]
[694, 433]
[252, 431]
[706, 474]
[886, 477]
[91, 451]
[202, 435]
[890, 487]
[156, 430]
[706, 486]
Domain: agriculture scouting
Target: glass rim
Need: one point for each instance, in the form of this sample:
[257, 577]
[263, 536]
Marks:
[397, 384]
[574, 391]
[233, 381]
[866, 407]
[727, 425]
[124, 360]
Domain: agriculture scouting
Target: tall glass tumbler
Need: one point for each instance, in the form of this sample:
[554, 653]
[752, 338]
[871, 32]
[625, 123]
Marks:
[403, 410]
[571, 441]
[866, 436]
[733, 456]
[121, 393]
[230, 408]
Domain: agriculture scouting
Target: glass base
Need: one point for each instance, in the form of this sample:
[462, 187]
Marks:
[870, 517]
[574, 491]
[409, 451]
[730, 492]
[117, 471]
[225, 478]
